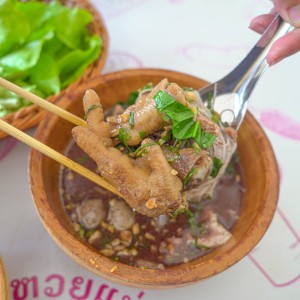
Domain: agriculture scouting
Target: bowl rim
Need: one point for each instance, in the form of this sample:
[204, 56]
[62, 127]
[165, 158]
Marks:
[173, 276]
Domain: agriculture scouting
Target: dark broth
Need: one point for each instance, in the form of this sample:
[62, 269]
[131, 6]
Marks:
[151, 242]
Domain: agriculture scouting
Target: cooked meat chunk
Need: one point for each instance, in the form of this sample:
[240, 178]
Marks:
[90, 213]
[138, 180]
[208, 125]
[216, 234]
[173, 163]
[120, 215]
[187, 159]
[146, 117]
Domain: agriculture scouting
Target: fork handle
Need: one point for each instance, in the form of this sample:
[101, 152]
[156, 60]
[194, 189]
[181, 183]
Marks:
[244, 77]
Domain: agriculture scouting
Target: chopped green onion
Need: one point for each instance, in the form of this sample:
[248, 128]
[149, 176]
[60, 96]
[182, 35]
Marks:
[215, 117]
[205, 139]
[187, 89]
[132, 98]
[199, 246]
[178, 211]
[81, 232]
[92, 107]
[216, 167]
[174, 158]
[131, 119]
[188, 176]
[136, 152]
[134, 95]
[89, 233]
[209, 100]
[142, 134]
[124, 137]
[81, 160]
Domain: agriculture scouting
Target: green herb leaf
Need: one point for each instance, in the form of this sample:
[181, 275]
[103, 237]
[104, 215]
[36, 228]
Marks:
[134, 95]
[187, 89]
[183, 124]
[178, 212]
[142, 134]
[188, 176]
[92, 107]
[205, 139]
[132, 98]
[124, 137]
[215, 117]
[174, 158]
[81, 232]
[138, 153]
[88, 233]
[82, 159]
[131, 119]
[216, 167]
[209, 100]
[182, 117]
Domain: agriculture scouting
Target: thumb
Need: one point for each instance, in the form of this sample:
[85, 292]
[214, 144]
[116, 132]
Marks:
[289, 10]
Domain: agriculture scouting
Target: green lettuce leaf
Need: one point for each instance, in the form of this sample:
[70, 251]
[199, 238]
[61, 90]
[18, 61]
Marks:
[14, 27]
[24, 58]
[49, 81]
[73, 64]
[44, 47]
[73, 34]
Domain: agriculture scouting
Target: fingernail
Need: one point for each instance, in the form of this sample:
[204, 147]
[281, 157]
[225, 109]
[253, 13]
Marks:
[273, 61]
[294, 15]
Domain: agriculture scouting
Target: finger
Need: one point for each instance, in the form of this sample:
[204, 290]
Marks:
[94, 117]
[261, 23]
[284, 47]
[289, 11]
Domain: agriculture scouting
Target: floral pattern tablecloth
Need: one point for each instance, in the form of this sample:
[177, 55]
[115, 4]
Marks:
[205, 39]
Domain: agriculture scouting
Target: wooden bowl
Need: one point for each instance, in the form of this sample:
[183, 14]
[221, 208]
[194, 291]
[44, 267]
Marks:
[260, 177]
[30, 116]
[4, 288]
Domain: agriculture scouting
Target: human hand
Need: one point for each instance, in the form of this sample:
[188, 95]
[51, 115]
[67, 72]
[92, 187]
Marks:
[289, 44]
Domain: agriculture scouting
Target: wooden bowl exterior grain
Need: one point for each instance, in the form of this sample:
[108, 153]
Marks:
[260, 177]
[4, 284]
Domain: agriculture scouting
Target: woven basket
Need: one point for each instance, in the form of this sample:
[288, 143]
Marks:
[30, 116]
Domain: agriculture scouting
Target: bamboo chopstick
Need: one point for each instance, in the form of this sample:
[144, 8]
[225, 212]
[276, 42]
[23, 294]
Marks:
[30, 141]
[41, 102]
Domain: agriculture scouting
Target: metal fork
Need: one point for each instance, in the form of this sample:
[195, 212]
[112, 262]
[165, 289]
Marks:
[229, 96]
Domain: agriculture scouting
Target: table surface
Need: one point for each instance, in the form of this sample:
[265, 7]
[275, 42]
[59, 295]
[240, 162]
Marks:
[206, 39]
